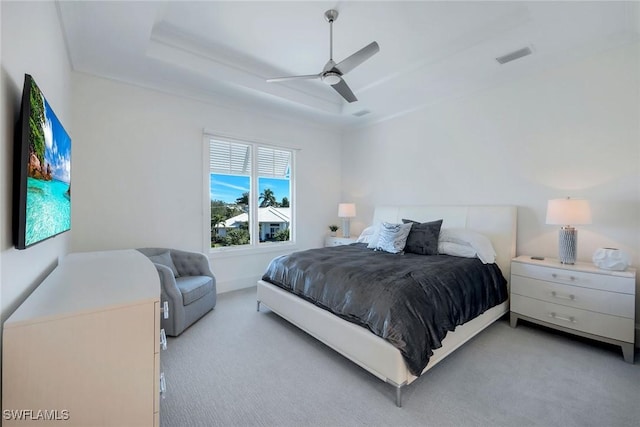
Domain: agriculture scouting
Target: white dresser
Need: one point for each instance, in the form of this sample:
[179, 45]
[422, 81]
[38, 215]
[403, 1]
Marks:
[579, 299]
[83, 348]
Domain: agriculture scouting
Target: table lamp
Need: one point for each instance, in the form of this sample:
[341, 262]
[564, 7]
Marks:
[346, 211]
[564, 212]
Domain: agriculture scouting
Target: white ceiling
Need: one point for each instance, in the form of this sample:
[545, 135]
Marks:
[222, 52]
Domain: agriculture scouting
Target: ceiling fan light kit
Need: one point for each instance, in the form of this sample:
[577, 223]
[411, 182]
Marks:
[332, 73]
[331, 78]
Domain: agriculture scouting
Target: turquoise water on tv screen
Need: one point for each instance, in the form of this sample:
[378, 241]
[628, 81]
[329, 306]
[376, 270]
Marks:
[48, 209]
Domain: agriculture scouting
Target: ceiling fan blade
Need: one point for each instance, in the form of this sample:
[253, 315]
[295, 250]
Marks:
[282, 79]
[344, 90]
[358, 58]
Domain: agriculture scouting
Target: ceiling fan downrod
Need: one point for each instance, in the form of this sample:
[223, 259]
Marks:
[331, 15]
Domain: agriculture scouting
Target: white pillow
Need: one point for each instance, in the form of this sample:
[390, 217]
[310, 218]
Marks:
[373, 241]
[366, 235]
[463, 236]
[456, 249]
[393, 237]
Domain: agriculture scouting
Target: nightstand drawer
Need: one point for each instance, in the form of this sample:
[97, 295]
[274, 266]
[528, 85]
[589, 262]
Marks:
[606, 282]
[619, 328]
[613, 303]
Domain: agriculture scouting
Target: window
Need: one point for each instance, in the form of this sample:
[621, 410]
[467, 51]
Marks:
[250, 193]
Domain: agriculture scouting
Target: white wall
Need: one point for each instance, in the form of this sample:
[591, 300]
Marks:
[572, 130]
[32, 43]
[138, 157]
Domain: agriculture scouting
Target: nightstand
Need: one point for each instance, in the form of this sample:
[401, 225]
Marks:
[580, 299]
[338, 241]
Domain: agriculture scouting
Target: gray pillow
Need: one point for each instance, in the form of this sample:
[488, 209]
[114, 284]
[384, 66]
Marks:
[165, 259]
[423, 238]
[392, 237]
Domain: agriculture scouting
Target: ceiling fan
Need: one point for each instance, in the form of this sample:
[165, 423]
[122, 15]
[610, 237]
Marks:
[332, 73]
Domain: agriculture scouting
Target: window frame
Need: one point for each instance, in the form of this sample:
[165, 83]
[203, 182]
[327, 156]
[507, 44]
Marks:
[254, 244]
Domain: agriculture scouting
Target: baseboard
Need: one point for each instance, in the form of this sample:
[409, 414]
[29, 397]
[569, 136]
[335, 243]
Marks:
[236, 284]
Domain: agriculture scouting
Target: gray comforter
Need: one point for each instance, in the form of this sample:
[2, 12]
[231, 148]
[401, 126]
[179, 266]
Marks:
[410, 300]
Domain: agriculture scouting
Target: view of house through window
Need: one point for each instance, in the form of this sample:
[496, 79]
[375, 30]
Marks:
[250, 193]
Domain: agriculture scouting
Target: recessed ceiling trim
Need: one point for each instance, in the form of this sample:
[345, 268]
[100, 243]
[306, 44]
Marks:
[235, 76]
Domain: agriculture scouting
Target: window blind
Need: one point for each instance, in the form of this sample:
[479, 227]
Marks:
[273, 163]
[230, 158]
[233, 158]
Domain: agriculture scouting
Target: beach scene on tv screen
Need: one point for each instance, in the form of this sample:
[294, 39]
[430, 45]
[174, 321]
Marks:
[48, 210]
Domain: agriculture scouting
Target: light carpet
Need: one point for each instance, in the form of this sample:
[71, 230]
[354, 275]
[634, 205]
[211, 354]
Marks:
[239, 367]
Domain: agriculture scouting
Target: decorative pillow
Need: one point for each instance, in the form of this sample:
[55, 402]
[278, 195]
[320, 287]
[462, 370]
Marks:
[477, 241]
[393, 237]
[165, 259]
[423, 238]
[456, 249]
[373, 240]
[366, 235]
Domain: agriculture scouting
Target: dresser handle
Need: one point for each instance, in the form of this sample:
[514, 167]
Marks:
[163, 339]
[567, 297]
[163, 385]
[569, 319]
[570, 278]
[165, 309]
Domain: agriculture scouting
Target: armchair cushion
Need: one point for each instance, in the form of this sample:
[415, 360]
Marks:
[165, 259]
[194, 287]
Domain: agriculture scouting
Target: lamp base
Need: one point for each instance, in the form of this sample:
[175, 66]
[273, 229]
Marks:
[345, 227]
[567, 245]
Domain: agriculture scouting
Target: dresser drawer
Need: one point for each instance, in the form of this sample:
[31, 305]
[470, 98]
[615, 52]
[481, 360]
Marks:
[606, 282]
[619, 328]
[613, 303]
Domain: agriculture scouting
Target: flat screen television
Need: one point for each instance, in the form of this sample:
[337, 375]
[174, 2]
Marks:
[42, 171]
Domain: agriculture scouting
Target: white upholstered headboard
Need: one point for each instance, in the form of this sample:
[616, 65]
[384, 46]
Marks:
[498, 223]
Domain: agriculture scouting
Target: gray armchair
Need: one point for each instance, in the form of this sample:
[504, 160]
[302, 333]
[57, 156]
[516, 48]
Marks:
[187, 283]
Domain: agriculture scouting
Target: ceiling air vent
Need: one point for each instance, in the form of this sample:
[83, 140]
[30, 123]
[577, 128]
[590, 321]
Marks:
[514, 55]
[361, 113]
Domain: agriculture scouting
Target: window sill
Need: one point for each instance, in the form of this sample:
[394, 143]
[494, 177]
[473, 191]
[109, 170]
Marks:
[228, 251]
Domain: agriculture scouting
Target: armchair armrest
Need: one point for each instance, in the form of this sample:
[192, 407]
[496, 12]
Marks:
[168, 283]
[169, 292]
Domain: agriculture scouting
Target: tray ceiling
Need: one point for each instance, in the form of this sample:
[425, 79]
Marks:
[222, 52]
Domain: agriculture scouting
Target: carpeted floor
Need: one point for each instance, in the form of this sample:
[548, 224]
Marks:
[238, 367]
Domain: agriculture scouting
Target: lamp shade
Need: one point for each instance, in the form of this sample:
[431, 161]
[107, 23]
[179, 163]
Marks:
[568, 211]
[346, 210]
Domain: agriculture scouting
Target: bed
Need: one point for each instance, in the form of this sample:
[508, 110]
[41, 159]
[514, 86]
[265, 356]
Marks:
[373, 353]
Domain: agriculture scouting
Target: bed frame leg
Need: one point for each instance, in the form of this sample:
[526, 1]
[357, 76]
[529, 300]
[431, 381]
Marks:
[258, 305]
[398, 388]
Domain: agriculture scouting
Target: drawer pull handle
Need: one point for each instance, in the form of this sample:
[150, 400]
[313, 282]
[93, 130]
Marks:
[163, 385]
[569, 319]
[163, 339]
[570, 278]
[165, 309]
[570, 297]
